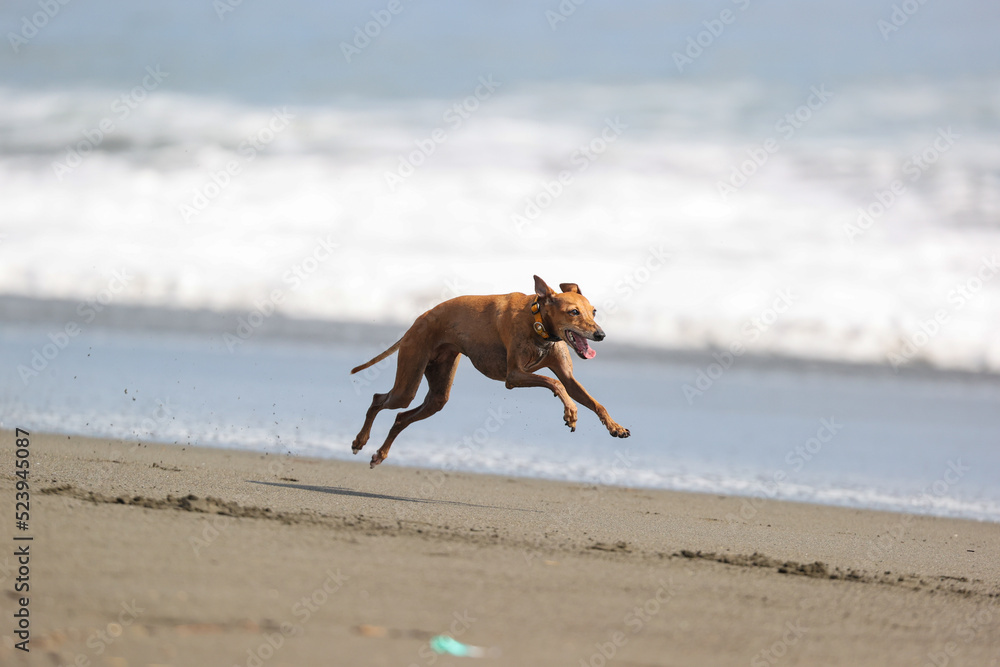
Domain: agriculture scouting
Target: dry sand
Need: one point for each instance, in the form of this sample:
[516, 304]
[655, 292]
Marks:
[170, 555]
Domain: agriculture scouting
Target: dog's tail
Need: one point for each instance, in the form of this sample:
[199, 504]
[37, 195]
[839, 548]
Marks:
[379, 358]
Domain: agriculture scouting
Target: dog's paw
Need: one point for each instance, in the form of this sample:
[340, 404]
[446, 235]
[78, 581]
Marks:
[618, 431]
[359, 442]
[376, 459]
[569, 417]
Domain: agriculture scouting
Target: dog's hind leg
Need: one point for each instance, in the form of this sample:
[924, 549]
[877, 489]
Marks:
[409, 369]
[378, 402]
[440, 373]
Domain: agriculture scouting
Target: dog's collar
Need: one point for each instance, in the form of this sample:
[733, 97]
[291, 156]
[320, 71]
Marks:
[536, 310]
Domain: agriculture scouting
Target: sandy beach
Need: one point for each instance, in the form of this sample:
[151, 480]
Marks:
[148, 554]
[784, 222]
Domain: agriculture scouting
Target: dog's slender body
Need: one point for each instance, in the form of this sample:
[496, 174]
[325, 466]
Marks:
[507, 337]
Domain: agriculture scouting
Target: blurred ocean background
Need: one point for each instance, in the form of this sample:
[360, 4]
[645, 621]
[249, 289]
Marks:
[813, 182]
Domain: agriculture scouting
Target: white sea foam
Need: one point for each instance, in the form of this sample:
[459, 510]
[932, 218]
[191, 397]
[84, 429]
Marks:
[905, 444]
[451, 226]
[508, 458]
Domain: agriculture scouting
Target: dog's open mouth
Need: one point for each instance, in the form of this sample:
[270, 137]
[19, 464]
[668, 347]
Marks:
[580, 344]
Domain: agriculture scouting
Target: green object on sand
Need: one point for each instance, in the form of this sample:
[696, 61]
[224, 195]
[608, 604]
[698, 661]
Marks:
[446, 645]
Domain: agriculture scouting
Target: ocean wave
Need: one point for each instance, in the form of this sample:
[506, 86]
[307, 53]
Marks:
[375, 211]
[502, 459]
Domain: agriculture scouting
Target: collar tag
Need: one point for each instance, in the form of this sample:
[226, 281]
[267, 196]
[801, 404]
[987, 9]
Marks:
[536, 310]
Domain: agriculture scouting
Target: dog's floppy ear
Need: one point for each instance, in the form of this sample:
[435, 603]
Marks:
[543, 290]
[570, 287]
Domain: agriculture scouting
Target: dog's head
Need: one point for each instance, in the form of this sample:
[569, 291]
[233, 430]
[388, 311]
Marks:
[570, 316]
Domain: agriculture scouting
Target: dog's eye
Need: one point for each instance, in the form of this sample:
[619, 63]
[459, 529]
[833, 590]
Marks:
[575, 311]
[595, 312]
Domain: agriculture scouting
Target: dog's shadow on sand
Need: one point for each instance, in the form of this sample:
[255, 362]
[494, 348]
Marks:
[340, 491]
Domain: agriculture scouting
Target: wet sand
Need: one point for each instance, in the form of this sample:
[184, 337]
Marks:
[167, 555]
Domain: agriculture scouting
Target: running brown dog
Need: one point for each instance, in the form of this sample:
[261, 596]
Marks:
[507, 337]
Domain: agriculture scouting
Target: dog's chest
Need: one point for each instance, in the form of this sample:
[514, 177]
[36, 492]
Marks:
[539, 356]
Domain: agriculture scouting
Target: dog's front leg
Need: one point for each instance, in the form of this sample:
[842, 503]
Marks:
[562, 366]
[577, 391]
[518, 378]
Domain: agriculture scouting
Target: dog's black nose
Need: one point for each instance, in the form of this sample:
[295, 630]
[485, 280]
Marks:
[598, 335]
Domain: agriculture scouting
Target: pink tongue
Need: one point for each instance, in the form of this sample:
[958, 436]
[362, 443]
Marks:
[590, 353]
